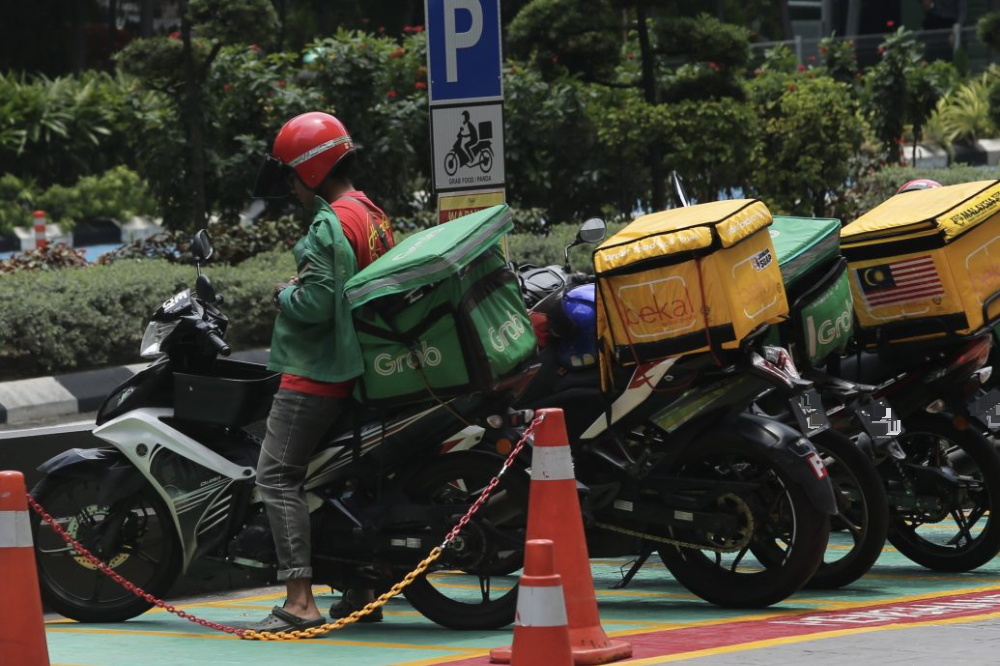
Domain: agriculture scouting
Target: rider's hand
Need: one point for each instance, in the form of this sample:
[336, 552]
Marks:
[281, 286]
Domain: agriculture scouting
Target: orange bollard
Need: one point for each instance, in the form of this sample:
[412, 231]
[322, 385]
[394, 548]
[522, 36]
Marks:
[22, 629]
[541, 637]
[551, 516]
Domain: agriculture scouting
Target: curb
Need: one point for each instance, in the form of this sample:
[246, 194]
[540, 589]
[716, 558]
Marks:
[985, 152]
[27, 400]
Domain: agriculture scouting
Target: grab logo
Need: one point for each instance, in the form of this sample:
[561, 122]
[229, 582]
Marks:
[511, 329]
[425, 357]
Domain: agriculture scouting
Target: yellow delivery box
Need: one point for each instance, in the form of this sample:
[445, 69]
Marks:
[686, 280]
[926, 264]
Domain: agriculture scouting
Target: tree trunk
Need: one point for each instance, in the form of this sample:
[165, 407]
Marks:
[78, 50]
[192, 119]
[658, 190]
[281, 25]
[786, 19]
[720, 10]
[146, 19]
[325, 18]
[112, 33]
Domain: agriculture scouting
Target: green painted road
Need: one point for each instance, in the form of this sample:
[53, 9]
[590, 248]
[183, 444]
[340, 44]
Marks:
[651, 606]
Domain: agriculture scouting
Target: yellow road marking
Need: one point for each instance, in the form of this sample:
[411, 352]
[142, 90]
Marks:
[221, 636]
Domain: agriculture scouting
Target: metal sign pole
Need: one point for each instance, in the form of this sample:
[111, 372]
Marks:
[465, 95]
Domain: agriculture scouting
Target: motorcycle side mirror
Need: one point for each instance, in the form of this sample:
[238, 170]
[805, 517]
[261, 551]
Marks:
[204, 289]
[592, 231]
[201, 246]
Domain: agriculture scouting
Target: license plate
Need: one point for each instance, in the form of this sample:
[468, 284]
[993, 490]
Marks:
[878, 420]
[810, 413]
[987, 408]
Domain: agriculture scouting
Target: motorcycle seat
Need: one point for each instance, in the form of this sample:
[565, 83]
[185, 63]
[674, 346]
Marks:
[877, 367]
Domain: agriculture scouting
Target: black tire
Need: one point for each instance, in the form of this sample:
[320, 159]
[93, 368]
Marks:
[486, 161]
[147, 552]
[863, 511]
[458, 478]
[934, 441]
[780, 509]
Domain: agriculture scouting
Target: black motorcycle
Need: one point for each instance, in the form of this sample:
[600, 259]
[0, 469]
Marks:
[673, 462]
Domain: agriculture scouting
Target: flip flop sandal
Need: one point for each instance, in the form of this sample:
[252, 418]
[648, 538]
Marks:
[281, 620]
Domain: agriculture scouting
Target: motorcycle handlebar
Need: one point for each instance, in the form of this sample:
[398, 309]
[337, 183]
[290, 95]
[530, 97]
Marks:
[219, 343]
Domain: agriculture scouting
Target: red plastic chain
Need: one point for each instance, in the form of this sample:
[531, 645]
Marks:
[159, 603]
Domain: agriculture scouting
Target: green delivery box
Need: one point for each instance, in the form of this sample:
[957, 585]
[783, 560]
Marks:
[820, 304]
[441, 314]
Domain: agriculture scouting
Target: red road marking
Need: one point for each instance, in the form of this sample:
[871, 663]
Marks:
[692, 639]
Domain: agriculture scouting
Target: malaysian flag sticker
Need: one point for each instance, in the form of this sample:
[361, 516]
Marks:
[898, 282]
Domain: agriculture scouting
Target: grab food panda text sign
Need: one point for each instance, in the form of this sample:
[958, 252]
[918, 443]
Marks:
[467, 147]
[464, 64]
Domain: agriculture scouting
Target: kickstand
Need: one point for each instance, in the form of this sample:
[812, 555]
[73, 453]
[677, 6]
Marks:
[636, 565]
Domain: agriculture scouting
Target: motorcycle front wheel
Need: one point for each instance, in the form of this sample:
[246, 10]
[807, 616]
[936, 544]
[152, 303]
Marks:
[862, 520]
[951, 528]
[474, 584]
[778, 521]
[134, 536]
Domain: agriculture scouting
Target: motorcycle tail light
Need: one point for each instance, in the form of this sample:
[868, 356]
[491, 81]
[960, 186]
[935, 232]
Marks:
[780, 357]
[540, 322]
[771, 369]
[975, 354]
[504, 446]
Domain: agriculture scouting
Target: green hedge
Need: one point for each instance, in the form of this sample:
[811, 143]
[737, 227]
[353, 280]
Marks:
[68, 320]
[76, 319]
[548, 249]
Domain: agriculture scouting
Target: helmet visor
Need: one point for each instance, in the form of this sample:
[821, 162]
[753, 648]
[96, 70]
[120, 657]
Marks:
[273, 179]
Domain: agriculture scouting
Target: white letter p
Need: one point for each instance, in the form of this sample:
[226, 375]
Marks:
[459, 40]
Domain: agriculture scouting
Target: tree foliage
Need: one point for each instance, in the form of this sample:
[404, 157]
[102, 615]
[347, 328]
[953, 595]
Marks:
[809, 131]
[567, 35]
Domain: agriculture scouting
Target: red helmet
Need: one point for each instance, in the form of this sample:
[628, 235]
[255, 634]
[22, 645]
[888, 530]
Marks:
[309, 145]
[918, 184]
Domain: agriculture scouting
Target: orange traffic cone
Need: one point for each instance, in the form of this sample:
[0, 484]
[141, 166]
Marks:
[551, 515]
[22, 630]
[541, 637]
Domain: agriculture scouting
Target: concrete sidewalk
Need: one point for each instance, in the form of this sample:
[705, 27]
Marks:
[29, 401]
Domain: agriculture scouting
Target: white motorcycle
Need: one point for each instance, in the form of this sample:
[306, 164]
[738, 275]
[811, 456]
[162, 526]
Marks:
[173, 491]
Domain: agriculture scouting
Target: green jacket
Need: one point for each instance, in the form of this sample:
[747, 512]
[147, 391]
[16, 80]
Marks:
[314, 333]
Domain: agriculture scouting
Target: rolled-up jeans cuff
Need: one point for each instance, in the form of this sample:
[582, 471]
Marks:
[300, 572]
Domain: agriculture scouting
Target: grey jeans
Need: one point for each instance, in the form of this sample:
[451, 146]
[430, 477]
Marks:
[295, 426]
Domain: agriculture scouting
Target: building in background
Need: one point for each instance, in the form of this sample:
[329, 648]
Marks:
[946, 27]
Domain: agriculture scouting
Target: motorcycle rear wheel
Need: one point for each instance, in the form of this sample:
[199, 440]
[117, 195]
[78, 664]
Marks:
[146, 553]
[459, 478]
[933, 441]
[787, 527]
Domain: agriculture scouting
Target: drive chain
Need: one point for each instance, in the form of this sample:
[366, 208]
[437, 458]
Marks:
[688, 544]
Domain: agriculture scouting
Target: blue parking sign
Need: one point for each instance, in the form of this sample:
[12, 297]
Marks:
[463, 50]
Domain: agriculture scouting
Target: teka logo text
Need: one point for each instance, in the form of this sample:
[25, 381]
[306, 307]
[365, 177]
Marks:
[659, 309]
